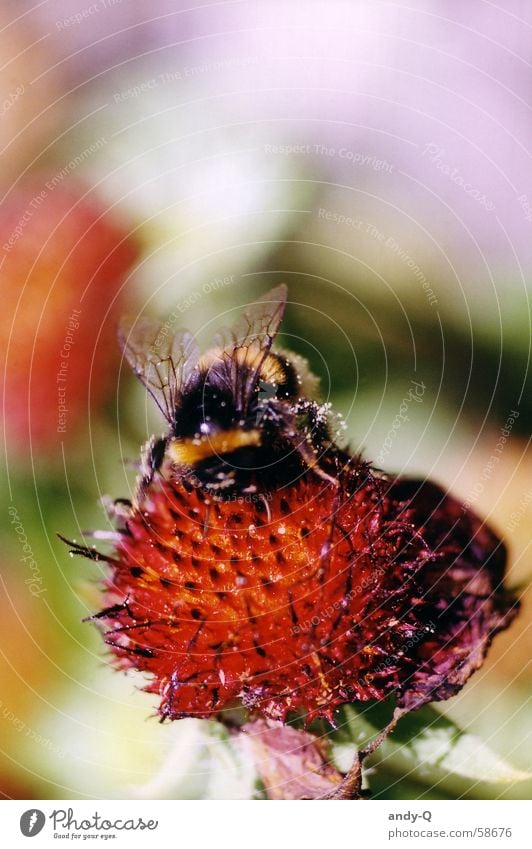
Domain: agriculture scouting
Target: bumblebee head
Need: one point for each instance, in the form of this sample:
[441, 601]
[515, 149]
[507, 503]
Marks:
[214, 428]
[239, 411]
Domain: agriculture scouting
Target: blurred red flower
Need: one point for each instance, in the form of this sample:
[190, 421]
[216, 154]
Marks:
[64, 261]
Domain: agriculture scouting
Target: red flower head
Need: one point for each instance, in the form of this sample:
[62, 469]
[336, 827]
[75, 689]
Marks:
[261, 565]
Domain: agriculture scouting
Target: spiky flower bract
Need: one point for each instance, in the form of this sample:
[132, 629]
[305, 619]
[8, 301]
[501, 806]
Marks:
[313, 597]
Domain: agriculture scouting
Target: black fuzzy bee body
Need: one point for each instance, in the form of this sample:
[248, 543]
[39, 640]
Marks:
[238, 418]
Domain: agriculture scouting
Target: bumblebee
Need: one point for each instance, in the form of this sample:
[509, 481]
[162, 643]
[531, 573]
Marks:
[242, 418]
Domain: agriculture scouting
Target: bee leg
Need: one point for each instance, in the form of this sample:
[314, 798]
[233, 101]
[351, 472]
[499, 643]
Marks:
[324, 475]
[118, 509]
[151, 460]
[312, 438]
[308, 454]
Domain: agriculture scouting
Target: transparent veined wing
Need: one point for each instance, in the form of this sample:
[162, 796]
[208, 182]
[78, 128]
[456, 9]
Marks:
[162, 359]
[245, 345]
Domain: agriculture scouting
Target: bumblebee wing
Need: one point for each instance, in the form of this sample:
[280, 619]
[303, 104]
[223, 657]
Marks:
[260, 321]
[246, 344]
[162, 360]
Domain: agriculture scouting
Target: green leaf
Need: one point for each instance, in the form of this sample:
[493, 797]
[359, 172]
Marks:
[425, 746]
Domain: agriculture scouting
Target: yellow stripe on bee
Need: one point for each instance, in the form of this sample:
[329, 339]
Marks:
[193, 450]
[271, 369]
